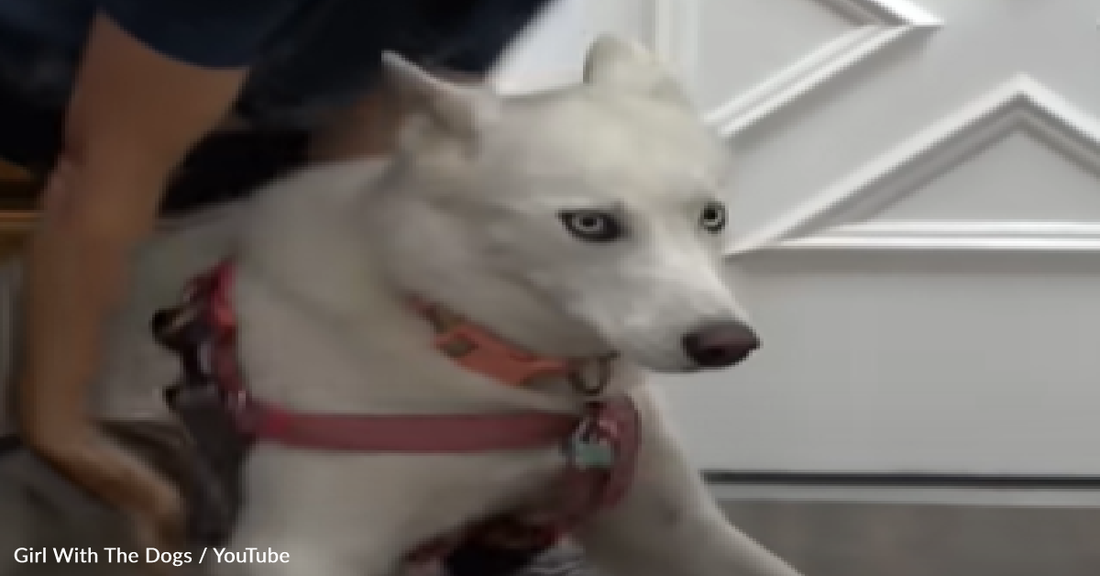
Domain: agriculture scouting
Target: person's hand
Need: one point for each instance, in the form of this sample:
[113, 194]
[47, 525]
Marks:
[156, 514]
[152, 505]
[157, 522]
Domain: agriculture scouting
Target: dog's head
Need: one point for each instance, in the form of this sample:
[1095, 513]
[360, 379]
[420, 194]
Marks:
[598, 205]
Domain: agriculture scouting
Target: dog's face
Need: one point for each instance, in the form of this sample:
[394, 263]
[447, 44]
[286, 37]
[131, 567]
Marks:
[604, 200]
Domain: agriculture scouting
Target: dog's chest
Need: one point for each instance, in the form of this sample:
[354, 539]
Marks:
[406, 499]
[403, 501]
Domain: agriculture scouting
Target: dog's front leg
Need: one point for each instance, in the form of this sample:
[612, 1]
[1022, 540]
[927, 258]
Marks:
[668, 524]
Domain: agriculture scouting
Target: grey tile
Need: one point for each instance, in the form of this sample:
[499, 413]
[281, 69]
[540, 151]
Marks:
[841, 539]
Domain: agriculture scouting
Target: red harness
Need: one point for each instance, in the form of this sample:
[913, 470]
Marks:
[601, 445]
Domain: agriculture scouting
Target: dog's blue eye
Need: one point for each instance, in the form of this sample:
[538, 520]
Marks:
[713, 218]
[591, 225]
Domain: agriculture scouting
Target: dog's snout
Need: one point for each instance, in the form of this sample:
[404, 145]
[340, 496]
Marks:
[721, 345]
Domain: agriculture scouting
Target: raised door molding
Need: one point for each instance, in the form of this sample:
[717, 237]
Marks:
[879, 24]
[841, 216]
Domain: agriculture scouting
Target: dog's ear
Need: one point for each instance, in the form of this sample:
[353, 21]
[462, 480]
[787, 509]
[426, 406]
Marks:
[629, 67]
[454, 108]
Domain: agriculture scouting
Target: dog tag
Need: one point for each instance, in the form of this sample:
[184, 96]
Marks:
[588, 454]
[589, 447]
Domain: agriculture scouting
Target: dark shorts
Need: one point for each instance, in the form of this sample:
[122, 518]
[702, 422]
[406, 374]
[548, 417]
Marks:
[309, 58]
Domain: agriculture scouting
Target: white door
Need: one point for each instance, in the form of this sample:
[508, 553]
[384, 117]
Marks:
[918, 218]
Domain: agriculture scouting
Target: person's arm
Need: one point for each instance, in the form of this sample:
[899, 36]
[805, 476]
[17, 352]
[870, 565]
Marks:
[136, 110]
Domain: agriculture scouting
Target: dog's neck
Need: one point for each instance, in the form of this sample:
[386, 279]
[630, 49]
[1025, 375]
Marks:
[361, 242]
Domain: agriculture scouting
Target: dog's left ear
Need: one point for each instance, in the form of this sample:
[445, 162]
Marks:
[454, 108]
[629, 67]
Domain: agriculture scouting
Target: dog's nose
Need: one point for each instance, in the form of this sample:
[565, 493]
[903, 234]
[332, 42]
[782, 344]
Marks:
[721, 345]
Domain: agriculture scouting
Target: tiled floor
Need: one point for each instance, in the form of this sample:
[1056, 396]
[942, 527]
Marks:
[869, 533]
[868, 539]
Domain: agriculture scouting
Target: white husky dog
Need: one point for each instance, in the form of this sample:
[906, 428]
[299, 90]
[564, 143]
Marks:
[574, 223]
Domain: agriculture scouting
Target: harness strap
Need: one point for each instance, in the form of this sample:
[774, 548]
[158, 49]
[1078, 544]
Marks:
[407, 433]
[601, 445]
[433, 433]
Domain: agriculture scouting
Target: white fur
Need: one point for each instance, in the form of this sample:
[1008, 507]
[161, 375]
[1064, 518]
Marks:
[465, 214]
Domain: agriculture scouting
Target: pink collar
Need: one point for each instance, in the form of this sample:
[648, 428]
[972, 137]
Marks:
[481, 351]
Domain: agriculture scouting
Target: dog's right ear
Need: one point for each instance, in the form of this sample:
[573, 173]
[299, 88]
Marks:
[453, 108]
